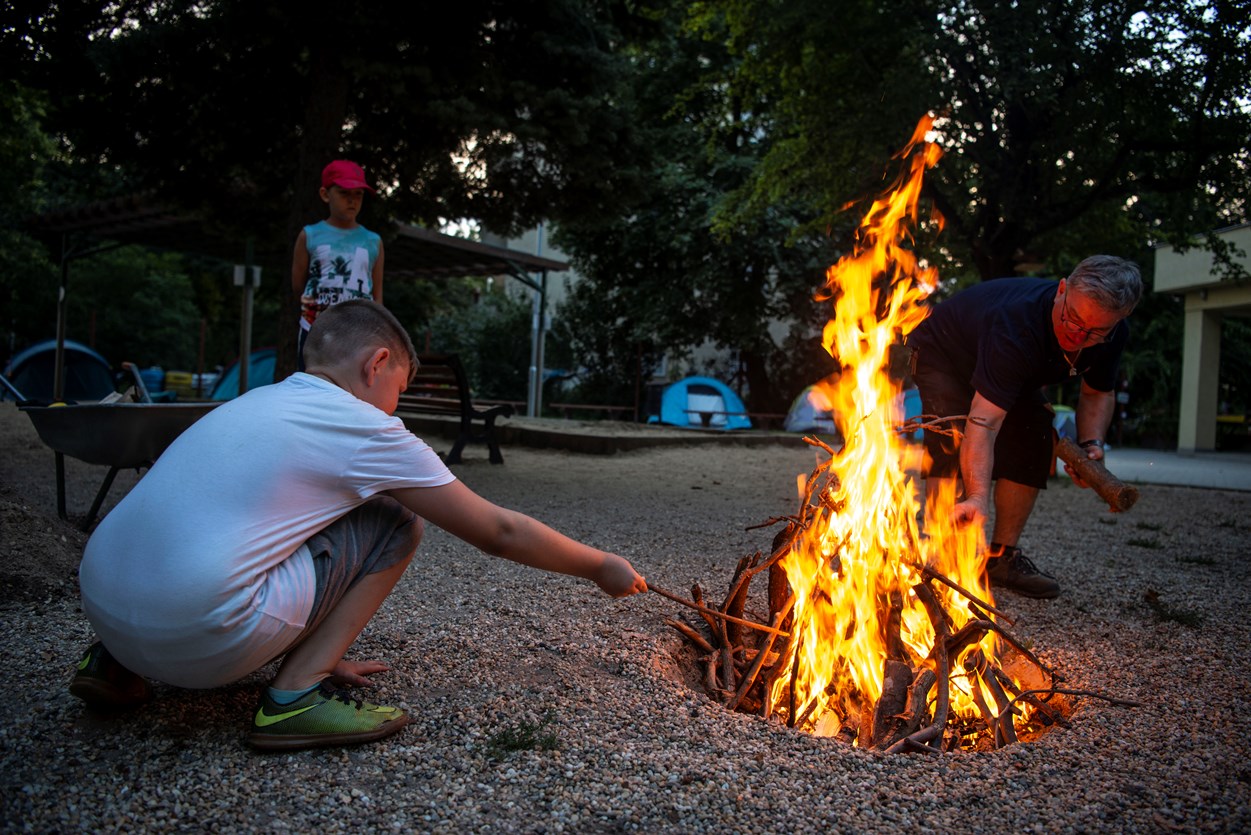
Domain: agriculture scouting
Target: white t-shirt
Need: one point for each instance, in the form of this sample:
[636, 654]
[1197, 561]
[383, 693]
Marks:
[199, 576]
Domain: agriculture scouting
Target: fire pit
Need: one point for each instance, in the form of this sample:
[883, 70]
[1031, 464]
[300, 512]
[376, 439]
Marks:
[881, 628]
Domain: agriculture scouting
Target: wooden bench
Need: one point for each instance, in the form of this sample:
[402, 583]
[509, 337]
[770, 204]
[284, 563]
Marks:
[440, 387]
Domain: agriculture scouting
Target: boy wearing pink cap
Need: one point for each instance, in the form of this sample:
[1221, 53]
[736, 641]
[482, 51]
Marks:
[336, 259]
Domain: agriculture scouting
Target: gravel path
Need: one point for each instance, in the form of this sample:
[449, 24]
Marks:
[482, 649]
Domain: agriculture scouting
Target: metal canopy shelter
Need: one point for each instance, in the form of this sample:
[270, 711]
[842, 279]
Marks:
[411, 252]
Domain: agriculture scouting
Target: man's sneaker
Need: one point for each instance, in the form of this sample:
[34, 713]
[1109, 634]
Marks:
[1014, 571]
[325, 716]
[103, 683]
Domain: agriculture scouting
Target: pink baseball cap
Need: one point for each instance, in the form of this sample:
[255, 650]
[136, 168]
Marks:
[344, 174]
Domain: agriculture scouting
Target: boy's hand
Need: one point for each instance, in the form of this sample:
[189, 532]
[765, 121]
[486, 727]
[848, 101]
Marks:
[618, 578]
[352, 673]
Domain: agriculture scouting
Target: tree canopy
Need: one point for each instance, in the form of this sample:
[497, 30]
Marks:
[1056, 116]
[659, 276]
[502, 112]
[1069, 128]
[698, 159]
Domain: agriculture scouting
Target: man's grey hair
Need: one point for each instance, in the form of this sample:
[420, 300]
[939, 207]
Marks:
[1113, 283]
[341, 330]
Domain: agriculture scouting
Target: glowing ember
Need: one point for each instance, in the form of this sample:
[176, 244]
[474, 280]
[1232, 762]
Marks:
[866, 545]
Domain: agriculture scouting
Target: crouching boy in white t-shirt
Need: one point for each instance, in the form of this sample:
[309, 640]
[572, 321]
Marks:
[275, 526]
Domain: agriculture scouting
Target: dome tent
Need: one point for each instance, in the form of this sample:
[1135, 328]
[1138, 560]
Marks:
[701, 402]
[260, 373]
[87, 374]
[810, 411]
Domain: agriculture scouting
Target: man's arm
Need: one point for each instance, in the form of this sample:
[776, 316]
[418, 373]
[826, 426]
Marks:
[977, 459]
[1094, 415]
[512, 535]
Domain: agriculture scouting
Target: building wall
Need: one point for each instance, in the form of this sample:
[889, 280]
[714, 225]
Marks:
[1208, 300]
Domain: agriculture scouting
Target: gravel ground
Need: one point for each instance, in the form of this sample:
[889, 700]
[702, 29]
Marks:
[482, 649]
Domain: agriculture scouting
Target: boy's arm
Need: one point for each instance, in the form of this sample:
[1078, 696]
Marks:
[299, 265]
[512, 535]
[376, 277]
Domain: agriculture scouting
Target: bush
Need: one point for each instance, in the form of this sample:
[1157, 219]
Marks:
[492, 338]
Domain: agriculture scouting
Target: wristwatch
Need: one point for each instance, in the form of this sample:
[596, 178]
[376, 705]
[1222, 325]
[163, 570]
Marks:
[1090, 443]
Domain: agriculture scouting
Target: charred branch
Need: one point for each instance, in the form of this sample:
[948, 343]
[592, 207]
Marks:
[697, 595]
[690, 634]
[761, 657]
[931, 574]
[933, 733]
[890, 714]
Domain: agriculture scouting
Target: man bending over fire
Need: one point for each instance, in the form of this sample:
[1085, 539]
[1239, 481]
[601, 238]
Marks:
[988, 352]
[275, 527]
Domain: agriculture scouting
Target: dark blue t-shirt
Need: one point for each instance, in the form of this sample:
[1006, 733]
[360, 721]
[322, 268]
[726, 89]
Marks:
[998, 335]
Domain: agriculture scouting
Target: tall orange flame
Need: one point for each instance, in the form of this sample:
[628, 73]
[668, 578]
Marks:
[868, 543]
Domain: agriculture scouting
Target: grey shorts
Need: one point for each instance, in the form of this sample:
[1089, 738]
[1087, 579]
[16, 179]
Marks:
[371, 538]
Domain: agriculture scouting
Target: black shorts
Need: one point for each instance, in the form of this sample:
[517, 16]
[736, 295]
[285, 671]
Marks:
[1024, 447]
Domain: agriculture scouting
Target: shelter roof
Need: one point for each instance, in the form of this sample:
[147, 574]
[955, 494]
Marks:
[412, 252]
[423, 252]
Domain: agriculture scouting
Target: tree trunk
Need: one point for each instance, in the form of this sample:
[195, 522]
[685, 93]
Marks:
[759, 385]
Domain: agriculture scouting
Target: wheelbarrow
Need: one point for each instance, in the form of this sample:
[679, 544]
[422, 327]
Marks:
[119, 436]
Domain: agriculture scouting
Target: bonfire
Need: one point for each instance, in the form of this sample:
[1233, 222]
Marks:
[882, 630]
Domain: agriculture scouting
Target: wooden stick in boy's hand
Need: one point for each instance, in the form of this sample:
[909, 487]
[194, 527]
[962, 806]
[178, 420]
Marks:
[652, 587]
[1119, 495]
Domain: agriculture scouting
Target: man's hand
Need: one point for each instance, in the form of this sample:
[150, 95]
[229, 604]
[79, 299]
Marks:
[618, 578]
[970, 511]
[1095, 453]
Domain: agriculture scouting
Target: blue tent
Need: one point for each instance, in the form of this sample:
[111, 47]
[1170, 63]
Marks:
[811, 412]
[701, 402]
[87, 374]
[260, 373]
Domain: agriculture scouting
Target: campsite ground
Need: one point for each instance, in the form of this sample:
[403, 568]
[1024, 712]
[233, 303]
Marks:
[541, 706]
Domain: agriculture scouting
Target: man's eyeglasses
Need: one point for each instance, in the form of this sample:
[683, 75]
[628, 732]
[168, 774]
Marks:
[1097, 334]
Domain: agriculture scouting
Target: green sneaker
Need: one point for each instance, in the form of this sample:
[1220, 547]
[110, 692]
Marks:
[325, 716]
[103, 683]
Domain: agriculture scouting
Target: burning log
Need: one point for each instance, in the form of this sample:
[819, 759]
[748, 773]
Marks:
[1119, 495]
[933, 734]
[891, 712]
[1000, 721]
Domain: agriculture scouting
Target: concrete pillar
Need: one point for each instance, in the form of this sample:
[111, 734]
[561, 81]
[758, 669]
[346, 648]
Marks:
[1200, 384]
